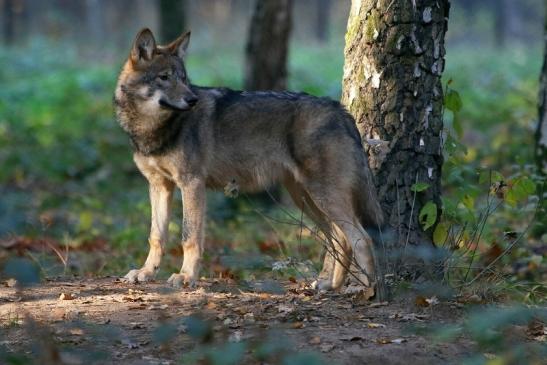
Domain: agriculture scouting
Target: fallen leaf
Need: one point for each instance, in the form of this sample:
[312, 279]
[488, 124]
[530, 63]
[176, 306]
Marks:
[236, 336]
[378, 304]
[10, 283]
[409, 317]
[136, 325]
[432, 301]
[326, 347]
[130, 344]
[158, 307]
[297, 325]
[132, 299]
[375, 325]
[67, 296]
[283, 308]
[383, 341]
[76, 331]
[361, 292]
[315, 340]
[249, 318]
[421, 301]
[536, 330]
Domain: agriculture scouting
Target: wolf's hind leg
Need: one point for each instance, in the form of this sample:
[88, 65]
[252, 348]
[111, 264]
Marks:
[161, 193]
[193, 201]
[334, 264]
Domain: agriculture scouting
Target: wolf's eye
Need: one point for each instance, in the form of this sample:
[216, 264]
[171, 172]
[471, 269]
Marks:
[163, 77]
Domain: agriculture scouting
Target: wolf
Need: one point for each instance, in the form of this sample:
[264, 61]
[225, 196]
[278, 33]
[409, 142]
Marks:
[193, 138]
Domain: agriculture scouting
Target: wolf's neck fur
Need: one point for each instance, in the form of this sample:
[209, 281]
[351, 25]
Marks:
[149, 136]
[160, 139]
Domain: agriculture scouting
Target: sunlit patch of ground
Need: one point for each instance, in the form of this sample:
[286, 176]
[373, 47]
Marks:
[106, 321]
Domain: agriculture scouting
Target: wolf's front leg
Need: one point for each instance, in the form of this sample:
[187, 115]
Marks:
[161, 193]
[193, 207]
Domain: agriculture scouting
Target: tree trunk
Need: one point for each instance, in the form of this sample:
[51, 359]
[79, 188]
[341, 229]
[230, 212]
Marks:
[267, 46]
[541, 140]
[394, 58]
[95, 20]
[172, 19]
[322, 20]
[9, 22]
[506, 20]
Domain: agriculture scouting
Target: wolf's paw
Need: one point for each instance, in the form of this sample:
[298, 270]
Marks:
[139, 275]
[322, 285]
[181, 281]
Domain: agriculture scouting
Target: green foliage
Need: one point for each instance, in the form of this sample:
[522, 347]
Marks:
[490, 329]
[428, 215]
[488, 177]
[452, 101]
[420, 186]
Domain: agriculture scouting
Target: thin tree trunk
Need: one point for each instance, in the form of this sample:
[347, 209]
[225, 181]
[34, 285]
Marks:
[541, 140]
[268, 46]
[322, 20]
[506, 20]
[394, 58]
[172, 19]
[9, 22]
[95, 20]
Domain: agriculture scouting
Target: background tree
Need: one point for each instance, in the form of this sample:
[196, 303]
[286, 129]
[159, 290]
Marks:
[172, 19]
[541, 138]
[95, 20]
[268, 45]
[394, 58]
[322, 20]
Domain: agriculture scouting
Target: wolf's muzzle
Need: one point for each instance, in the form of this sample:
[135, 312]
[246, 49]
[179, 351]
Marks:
[179, 108]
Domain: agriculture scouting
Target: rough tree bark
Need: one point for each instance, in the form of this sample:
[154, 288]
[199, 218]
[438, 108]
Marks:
[394, 58]
[172, 19]
[267, 46]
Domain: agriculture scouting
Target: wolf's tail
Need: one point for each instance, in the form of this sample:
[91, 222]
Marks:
[367, 205]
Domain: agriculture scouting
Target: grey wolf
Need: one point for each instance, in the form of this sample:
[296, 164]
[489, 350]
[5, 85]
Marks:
[192, 138]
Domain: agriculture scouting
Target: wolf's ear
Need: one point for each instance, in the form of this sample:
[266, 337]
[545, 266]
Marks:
[143, 47]
[178, 47]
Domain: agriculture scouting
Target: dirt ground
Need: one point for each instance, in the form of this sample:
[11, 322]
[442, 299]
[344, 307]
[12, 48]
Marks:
[106, 321]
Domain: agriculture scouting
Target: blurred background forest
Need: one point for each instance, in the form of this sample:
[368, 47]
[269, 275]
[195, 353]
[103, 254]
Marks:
[68, 185]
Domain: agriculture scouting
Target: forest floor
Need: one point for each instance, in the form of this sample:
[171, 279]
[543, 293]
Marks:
[106, 321]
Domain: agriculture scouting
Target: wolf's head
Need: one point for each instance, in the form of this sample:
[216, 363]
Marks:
[153, 82]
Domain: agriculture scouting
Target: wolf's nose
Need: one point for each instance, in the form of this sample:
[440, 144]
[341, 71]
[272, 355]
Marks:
[192, 100]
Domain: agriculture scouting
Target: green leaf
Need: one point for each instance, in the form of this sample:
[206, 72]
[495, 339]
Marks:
[452, 101]
[457, 124]
[510, 198]
[421, 186]
[527, 185]
[468, 201]
[440, 233]
[428, 215]
[86, 221]
[453, 147]
[520, 190]
[490, 176]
